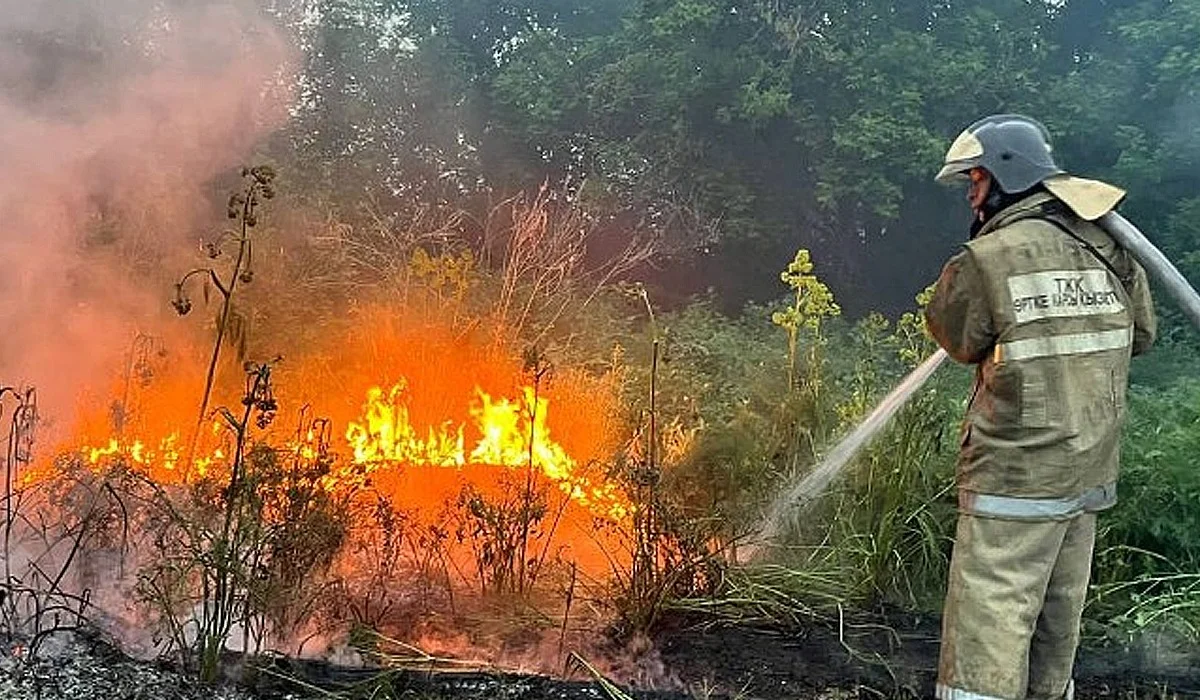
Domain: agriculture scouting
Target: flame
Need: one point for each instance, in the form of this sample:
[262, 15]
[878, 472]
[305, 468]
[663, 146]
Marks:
[415, 407]
[386, 434]
[161, 460]
[512, 434]
[508, 434]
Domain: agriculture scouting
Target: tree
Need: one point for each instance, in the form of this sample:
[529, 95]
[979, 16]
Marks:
[747, 129]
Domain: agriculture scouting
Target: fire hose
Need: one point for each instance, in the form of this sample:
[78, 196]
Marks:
[1158, 267]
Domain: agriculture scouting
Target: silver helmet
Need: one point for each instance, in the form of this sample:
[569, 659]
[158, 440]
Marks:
[1015, 149]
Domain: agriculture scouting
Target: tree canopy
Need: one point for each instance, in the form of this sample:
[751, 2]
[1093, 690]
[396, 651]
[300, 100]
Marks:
[744, 129]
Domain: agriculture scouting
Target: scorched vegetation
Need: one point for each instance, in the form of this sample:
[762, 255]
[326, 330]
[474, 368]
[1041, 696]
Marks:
[499, 350]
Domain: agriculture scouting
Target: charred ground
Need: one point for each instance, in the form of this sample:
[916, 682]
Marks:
[870, 656]
[524, 260]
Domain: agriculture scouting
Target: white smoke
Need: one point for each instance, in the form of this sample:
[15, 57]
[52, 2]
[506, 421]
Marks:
[115, 117]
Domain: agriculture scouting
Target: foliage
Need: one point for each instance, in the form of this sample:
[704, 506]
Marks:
[1147, 552]
[1157, 512]
[499, 530]
[745, 130]
[237, 546]
[21, 406]
[812, 303]
[244, 554]
[884, 531]
[230, 323]
[894, 520]
[43, 550]
[389, 550]
[889, 524]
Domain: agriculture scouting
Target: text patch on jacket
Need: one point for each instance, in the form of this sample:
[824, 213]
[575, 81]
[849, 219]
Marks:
[1060, 293]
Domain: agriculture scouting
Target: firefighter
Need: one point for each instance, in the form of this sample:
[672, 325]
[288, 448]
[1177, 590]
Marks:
[1049, 310]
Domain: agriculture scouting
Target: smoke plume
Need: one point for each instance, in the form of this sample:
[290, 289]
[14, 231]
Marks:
[116, 116]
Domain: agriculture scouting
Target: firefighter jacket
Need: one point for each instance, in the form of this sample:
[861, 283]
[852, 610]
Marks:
[1049, 309]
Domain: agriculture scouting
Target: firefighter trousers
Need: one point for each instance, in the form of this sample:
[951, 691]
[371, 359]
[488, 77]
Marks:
[1013, 603]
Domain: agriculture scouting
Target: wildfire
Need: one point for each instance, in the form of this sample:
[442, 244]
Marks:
[505, 434]
[455, 410]
[511, 434]
[386, 434]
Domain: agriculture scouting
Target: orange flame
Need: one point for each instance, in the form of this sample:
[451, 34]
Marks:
[460, 406]
[511, 434]
[386, 434]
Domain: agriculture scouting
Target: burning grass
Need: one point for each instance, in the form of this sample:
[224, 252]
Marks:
[390, 511]
[428, 465]
[409, 453]
[451, 403]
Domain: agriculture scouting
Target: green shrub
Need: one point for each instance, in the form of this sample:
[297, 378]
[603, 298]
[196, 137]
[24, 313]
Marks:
[1159, 508]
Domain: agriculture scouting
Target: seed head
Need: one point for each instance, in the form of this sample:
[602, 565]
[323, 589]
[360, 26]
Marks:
[182, 305]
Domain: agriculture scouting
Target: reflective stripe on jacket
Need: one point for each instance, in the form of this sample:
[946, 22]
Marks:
[1051, 329]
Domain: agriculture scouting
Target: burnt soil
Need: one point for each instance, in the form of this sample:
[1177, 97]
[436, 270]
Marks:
[890, 654]
[881, 655]
[877, 655]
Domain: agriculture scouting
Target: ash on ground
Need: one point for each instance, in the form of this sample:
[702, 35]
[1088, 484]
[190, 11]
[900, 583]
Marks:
[77, 667]
[73, 667]
[722, 663]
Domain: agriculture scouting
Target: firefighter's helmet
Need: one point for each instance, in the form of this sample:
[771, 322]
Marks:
[1015, 149]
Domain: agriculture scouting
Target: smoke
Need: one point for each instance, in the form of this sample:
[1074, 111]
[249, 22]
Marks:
[116, 116]
[1182, 139]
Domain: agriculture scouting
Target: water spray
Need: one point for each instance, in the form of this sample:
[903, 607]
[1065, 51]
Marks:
[813, 484]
